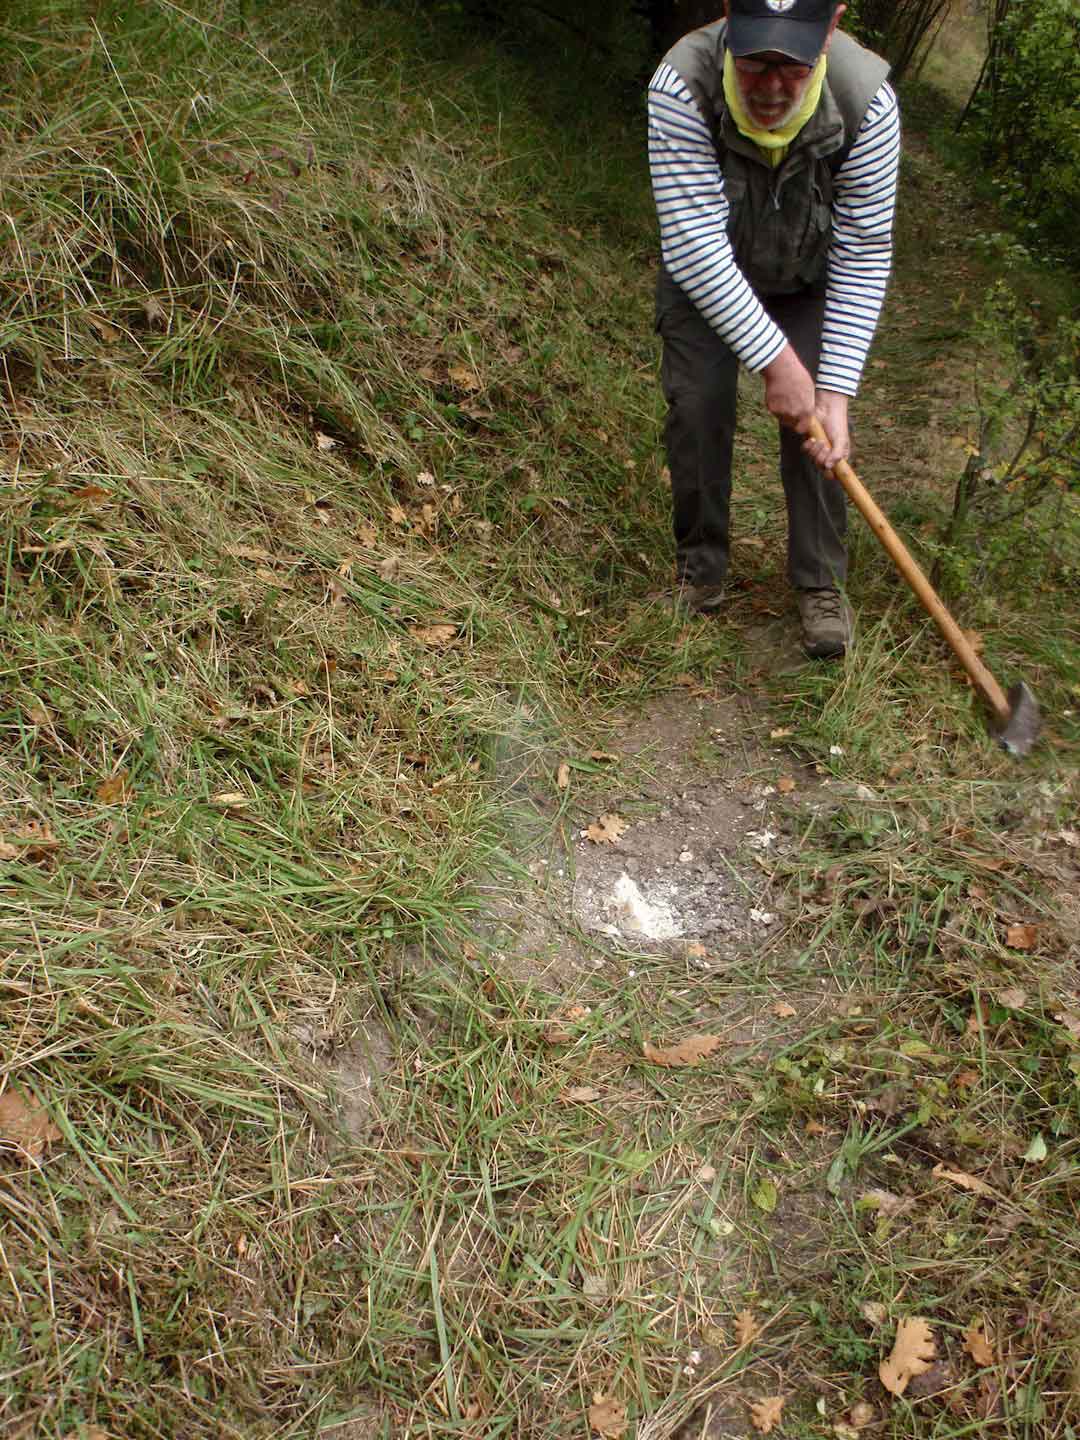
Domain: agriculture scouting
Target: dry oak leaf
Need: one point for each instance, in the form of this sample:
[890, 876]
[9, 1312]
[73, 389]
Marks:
[38, 840]
[977, 1343]
[1012, 998]
[913, 1353]
[607, 1417]
[110, 791]
[765, 1414]
[438, 637]
[783, 1011]
[583, 1094]
[607, 829]
[25, 1123]
[1022, 937]
[746, 1328]
[693, 1049]
[964, 1180]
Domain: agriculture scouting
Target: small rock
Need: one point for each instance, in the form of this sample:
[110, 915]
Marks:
[685, 857]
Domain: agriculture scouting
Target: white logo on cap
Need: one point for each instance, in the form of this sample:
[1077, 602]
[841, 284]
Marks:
[780, 6]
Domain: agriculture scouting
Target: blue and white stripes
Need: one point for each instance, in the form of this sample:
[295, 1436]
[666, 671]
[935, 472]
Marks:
[689, 189]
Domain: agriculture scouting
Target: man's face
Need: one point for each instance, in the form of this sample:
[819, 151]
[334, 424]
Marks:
[772, 85]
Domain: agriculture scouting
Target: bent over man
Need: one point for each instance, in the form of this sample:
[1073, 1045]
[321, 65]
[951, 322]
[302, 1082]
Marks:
[774, 144]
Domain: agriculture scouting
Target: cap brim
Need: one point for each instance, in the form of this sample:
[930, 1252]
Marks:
[752, 35]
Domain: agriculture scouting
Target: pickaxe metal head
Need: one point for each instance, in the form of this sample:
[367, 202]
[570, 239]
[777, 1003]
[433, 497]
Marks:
[1021, 730]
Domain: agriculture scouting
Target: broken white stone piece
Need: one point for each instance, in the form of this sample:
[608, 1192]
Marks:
[634, 915]
[762, 917]
[686, 857]
[762, 839]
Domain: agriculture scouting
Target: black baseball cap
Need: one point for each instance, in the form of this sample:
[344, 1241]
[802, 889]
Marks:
[793, 27]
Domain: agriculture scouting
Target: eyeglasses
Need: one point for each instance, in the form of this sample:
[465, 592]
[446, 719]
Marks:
[789, 69]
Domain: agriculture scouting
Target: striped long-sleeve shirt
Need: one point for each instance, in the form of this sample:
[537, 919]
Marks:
[688, 186]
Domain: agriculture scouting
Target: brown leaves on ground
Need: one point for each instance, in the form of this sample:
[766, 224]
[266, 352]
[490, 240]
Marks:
[556, 1033]
[913, 1353]
[34, 841]
[583, 1094]
[1022, 937]
[765, 1414]
[607, 1417]
[747, 1328]
[25, 1123]
[1012, 998]
[115, 789]
[436, 637]
[607, 830]
[964, 1181]
[783, 1011]
[689, 1052]
[977, 1343]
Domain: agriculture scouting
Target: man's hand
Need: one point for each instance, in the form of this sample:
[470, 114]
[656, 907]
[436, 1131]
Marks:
[789, 391]
[832, 411]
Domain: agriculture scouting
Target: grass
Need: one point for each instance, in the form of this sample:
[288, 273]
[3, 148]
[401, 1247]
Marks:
[319, 335]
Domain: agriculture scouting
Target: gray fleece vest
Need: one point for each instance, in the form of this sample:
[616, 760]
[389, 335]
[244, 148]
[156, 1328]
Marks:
[780, 220]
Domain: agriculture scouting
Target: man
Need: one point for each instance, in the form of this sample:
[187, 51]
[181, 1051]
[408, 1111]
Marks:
[774, 144]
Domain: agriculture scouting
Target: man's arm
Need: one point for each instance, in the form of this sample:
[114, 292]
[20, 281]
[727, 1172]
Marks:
[860, 258]
[688, 187]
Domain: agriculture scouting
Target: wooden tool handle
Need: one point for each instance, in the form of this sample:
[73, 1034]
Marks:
[901, 557]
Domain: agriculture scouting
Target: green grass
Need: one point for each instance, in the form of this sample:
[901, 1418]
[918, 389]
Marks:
[320, 330]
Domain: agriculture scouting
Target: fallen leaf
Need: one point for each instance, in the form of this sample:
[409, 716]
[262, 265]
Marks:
[438, 637]
[556, 1033]
[397, 516]
[91, 495]
[230, 800]
[324, 442]
[1012, 998]
[747, 1328]
[39, 841]
[1036, 1152]
[912, 1354]
[965, 1079]
[765, 1414]
[603, 757]
[885, 1203]
[964, 1180]
[388, 568]
[785, 785]
[463, 377]
[1022, 937]
[1069, 1020]
[862, 1415]
[562, 780]
[25, 1123]
[782, 734]
[425, 478]
[815, 1127]
[248, 552]
[783, 1011]
[874, 1312]
[975, 640]
[765, 1195]
[595, 1287]
[607, 1417]
[696, 951]
[336, 591]
[707, 1174]
[583, 1094]
[113, 790]
[607, 829]
[108, 333]
[977, 1344]
[693, 1049]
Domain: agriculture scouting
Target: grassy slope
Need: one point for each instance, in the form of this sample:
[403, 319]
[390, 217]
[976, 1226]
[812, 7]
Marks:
[242, 772]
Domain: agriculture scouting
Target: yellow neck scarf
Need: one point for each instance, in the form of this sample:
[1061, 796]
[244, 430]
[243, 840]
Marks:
[773, 143]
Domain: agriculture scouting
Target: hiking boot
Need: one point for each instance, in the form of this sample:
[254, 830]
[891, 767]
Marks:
[698, 599]
[828, 623]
